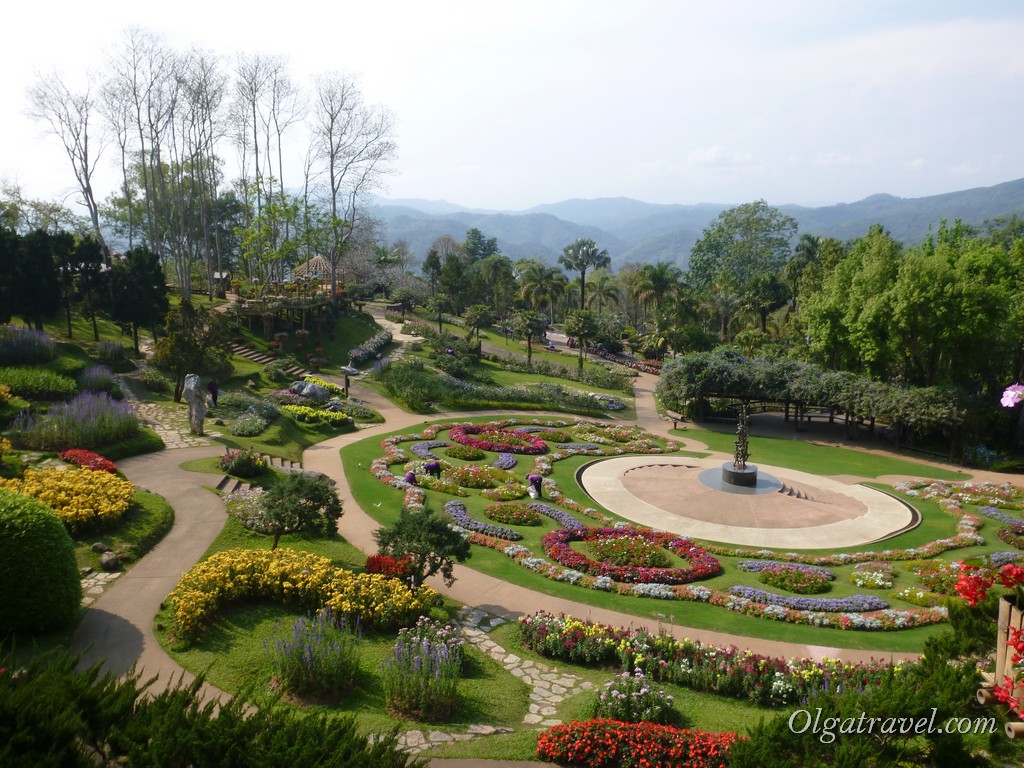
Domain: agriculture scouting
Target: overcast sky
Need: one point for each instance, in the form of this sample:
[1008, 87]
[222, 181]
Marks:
[506, 105]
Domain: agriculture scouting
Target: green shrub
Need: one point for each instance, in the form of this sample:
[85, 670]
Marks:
[38, 383]
[54, 714]
[143, 441]
[38, 575]
[154, 380]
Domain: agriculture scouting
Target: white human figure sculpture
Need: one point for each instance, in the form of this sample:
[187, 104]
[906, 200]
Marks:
[196, 400]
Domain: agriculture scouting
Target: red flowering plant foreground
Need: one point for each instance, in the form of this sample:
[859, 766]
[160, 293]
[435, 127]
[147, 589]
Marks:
[557, 545]
[614, 744]
[88, 459]
[973, 586]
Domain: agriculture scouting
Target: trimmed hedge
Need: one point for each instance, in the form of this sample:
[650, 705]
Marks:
[38, 574]
[38, 383]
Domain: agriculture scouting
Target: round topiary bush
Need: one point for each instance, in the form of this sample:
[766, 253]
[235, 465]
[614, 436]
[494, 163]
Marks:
[38, 574]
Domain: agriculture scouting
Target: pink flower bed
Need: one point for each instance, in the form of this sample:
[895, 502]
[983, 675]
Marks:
[498, 440]
[557, 545]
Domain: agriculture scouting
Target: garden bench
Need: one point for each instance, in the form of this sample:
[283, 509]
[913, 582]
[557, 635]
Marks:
[676, 418]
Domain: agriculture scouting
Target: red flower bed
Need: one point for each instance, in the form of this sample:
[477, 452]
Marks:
[499, 440]
[389, 566]
[88, 459]
[613, 744]
[702, 565]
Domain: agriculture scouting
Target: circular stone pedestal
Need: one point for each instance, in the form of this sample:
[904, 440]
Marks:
[747, 477]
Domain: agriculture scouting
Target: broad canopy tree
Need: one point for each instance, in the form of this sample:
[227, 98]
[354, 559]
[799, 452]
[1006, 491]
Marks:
[428, 540]
[196, 342]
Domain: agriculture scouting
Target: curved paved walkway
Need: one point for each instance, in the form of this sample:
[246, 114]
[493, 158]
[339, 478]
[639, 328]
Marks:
[118, 628]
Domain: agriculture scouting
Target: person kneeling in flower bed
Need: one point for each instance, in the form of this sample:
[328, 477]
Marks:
[610, 744]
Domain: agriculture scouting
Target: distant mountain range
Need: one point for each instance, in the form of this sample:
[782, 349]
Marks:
[635, 231]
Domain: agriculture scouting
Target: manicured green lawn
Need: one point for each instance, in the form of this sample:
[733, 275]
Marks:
[820, 459]
[146, 522]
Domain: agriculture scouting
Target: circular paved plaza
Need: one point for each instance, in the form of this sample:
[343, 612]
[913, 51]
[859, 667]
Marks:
[788, 509]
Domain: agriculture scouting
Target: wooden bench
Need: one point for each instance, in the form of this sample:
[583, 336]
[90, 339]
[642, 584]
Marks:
[676, 418]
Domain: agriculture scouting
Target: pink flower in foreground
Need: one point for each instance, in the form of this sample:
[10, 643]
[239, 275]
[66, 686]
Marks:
[1012, 395]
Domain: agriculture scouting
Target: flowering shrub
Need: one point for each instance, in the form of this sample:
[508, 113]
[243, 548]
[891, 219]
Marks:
[248, 508]
[512, 514]
[397, 568]
[328, 385]
[726, 670]
[703, 566]
[83, 500]
[99, 378]
[87, 459]
[309, 415]
[499, 440]
[242, 462]
[611, 744]
[370, 348]
[25, 346]
[456, 510]
[89, 420]
[319, 656]
[421, 678]
[792, 579]
[629, 698]
[291, 578]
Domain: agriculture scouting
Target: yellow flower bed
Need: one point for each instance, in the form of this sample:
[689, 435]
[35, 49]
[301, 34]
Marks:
[292, 578]
[81, 498]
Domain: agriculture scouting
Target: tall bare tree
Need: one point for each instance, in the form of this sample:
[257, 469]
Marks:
[68, 114]
[354, 143]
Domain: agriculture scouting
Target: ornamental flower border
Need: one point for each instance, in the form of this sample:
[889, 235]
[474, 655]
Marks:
[466, 434]
[703, 566]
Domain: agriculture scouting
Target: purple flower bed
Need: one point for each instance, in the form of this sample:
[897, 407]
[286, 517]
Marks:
[456, 510]
[1002, 517]
[423, 450]
[999, 559]
[505, 461]
[564, 519]
[756, 566]
[579, 447]
[856, 603]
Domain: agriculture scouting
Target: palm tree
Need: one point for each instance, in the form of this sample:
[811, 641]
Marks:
[721, 303]
[603, 288]
[541, 287]
[657, 283]
[581, 255]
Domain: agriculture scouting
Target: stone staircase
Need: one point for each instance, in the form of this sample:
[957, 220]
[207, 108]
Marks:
[788, 490]
[258, 357]
[229, 484]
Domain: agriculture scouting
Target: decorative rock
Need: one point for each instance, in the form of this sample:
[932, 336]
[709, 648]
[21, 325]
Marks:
[439, 737]
[109, 562]
[99, 547]
[86, 571]
[532, 719]
[482, 730]
[312, 391]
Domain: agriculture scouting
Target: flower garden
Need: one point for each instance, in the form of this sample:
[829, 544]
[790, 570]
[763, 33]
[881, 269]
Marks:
[868, 588]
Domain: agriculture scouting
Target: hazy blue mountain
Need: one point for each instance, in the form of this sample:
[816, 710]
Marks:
[635, 231]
